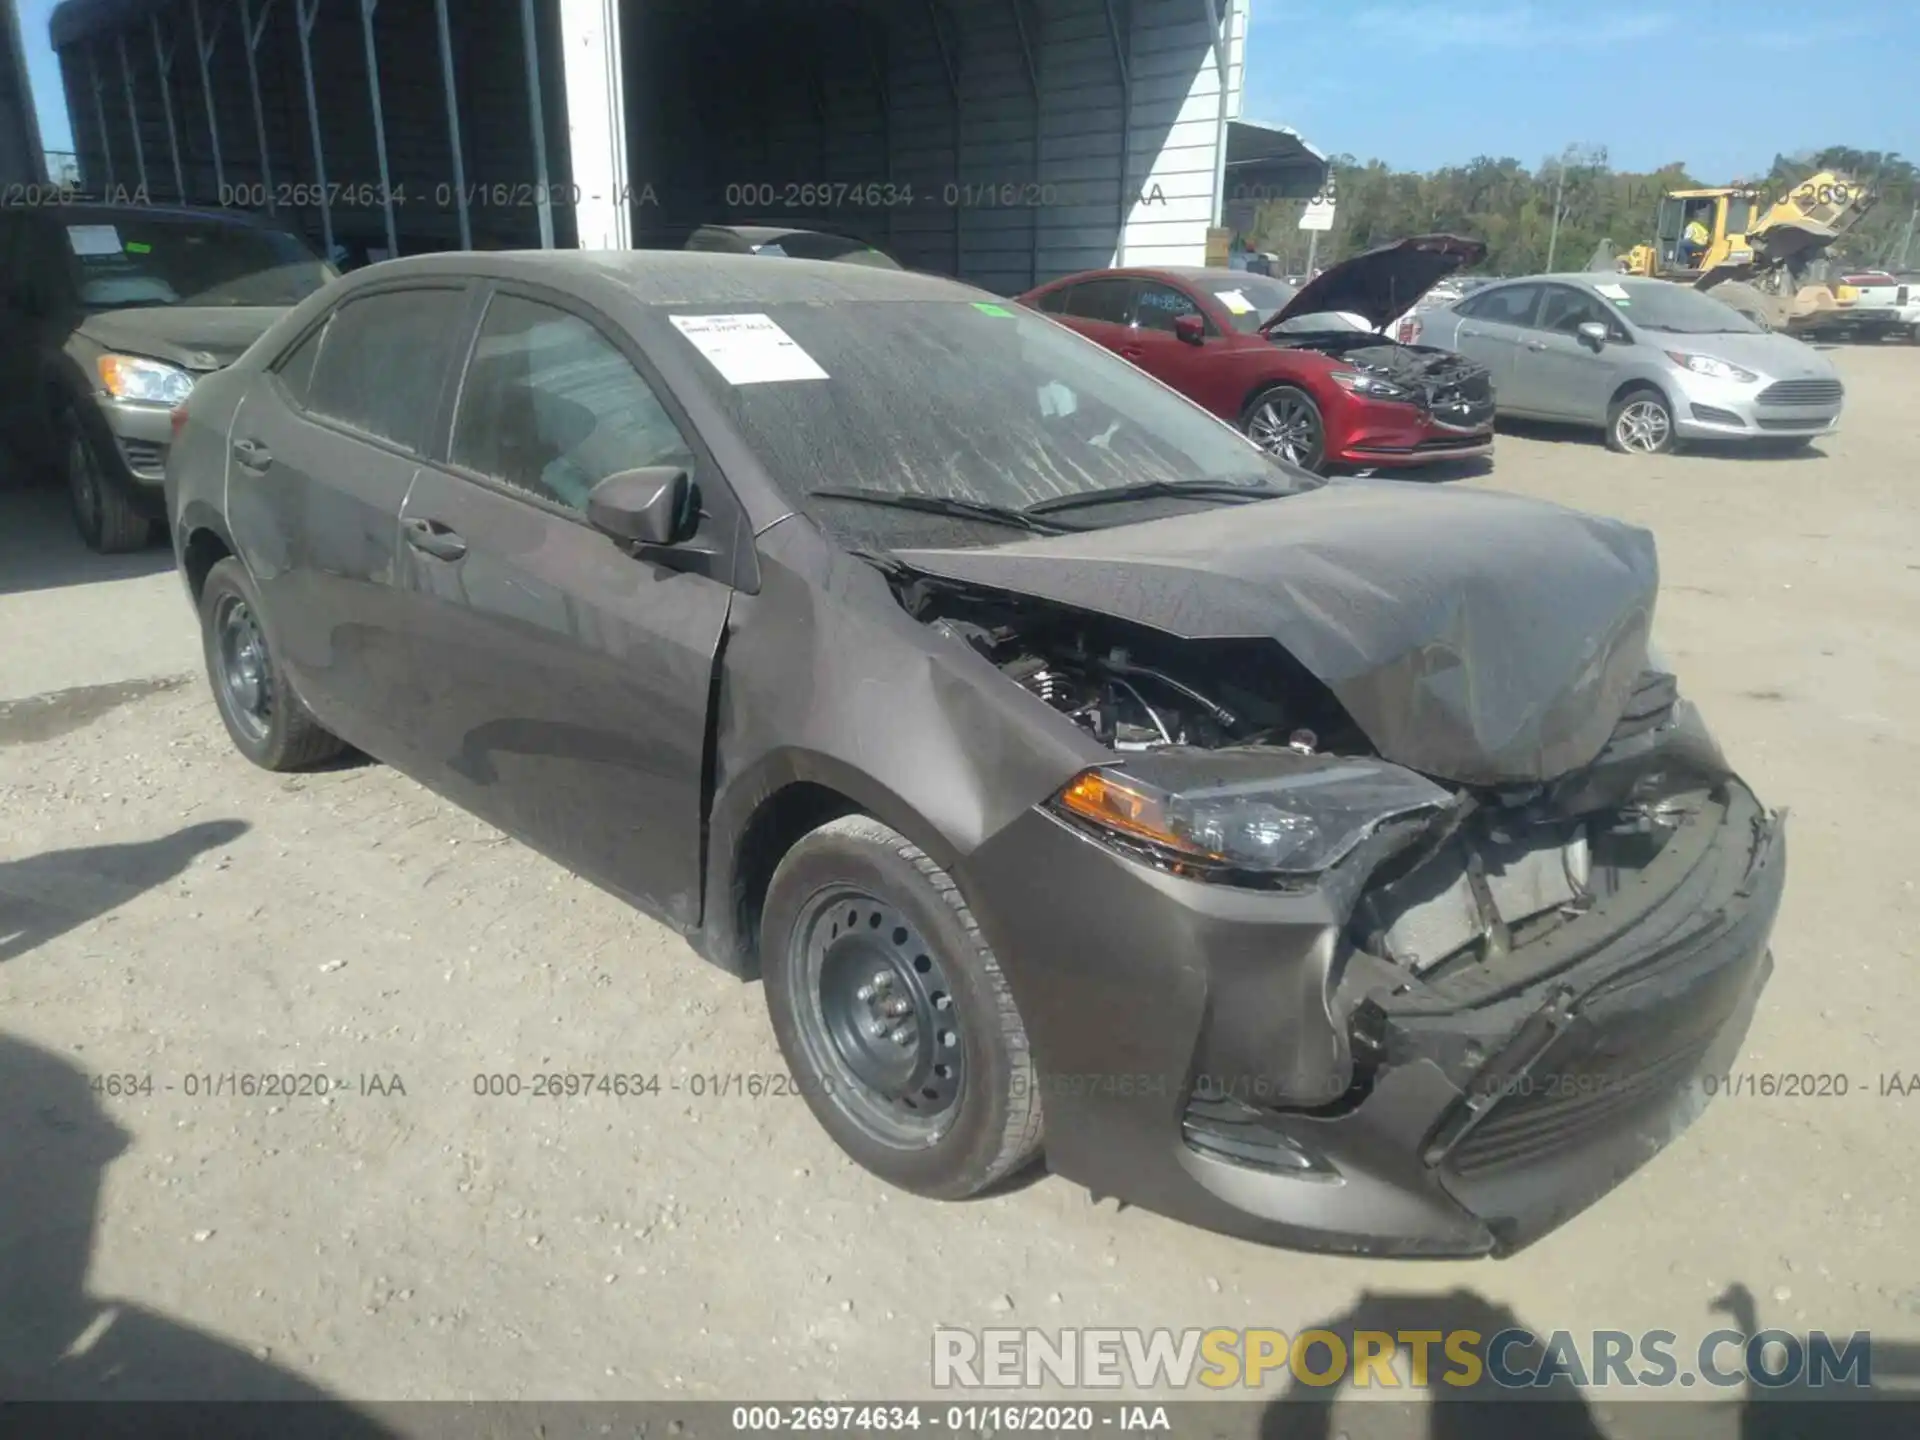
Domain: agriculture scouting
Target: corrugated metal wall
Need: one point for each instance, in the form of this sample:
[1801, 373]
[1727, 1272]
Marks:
[490, 81]
[1005, 141]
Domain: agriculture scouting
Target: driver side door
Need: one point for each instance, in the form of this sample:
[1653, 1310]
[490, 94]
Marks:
[1566, 378]
[567, 683]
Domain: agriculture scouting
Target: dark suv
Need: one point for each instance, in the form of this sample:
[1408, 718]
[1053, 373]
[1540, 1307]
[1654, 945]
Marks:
[108, 316]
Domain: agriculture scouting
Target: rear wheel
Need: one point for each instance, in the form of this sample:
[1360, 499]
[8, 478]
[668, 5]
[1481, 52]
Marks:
[1640, 423]
[1284, 422]
[268, 722]
[893, 1015]
[102, 513]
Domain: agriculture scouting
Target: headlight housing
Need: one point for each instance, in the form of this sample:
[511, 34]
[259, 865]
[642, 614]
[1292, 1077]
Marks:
[1253, 815]
[1712, 368]
[148, 382]
[1370, 385]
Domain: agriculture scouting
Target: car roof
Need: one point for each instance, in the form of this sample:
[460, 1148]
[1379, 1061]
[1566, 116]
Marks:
[677, 277]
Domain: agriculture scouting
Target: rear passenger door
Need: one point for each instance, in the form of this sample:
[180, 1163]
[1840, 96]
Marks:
[568, 683]
[1493, 327]
[322, 449]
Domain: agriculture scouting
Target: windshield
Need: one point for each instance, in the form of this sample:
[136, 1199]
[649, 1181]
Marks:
[1678, 309]
[154, 260]
[1252, 300]
[980, 402]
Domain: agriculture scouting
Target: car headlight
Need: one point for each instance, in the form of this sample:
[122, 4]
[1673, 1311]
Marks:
[151, 382]
[1371, 385]
[1243, 813]
[1710, 367]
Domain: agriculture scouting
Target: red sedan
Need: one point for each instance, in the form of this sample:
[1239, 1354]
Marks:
[1304, 372]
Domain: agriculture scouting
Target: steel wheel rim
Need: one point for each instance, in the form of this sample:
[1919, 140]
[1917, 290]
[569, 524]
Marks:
[1643, 425]
[245, 676]
[83, 485]
[877, 1019]
[1285, 427]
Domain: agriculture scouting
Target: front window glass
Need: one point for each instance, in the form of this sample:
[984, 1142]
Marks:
[550, 407]
[1252, 300]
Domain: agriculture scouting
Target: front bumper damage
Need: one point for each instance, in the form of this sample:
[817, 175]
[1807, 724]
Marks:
[1198, 1043]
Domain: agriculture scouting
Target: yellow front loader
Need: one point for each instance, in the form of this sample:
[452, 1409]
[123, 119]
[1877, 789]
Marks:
[1757, 251]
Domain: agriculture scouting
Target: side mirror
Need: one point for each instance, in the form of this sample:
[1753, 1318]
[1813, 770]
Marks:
[654, 506]
[1190, 328]
[1593, 335]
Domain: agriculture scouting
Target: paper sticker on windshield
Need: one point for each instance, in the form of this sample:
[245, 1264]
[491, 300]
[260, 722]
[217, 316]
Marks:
[987, 308]
[139, 247]
[1235, 301]
[93, 239]
[1612, 291]
[748, 349]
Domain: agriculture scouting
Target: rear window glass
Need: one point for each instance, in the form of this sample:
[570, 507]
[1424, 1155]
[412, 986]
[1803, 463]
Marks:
[381, 368]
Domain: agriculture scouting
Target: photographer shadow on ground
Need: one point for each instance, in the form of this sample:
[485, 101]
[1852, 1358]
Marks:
[1480, 1411]
[44, 896]
[60, 1343]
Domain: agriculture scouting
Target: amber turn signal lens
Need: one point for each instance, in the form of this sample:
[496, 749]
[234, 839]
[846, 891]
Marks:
[1110, 802]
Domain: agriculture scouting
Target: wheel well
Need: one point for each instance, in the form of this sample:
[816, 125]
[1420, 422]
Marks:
[780, 823]
[1627, 388]
[202, 552]
[1271, 384]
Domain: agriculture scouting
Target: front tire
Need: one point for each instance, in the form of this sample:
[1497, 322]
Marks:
[267, 720]
[893, 1014]
[102, 513]
[1285, 422]
[1640, 422]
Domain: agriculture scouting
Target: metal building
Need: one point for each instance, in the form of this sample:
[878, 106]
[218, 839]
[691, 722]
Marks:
[1005, 141]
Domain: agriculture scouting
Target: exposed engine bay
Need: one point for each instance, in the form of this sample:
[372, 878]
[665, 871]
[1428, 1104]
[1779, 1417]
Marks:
[1456, 391]
[1472, 882]
[1133, 689]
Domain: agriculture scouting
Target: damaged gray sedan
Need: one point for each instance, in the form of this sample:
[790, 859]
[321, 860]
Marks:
[1328, 863]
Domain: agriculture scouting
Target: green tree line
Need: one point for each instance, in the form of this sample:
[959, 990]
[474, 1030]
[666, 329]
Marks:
[1511, 207]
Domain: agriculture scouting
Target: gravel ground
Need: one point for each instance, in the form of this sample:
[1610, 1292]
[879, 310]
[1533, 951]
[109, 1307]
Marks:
[167, 911]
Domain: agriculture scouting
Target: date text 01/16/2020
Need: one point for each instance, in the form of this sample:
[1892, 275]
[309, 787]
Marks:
[593, 1084]
[248, 1084]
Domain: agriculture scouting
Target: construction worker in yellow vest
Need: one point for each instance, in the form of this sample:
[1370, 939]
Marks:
[1693, 243]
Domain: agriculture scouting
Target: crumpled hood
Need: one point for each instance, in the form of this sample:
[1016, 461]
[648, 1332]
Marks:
[197, 337]
[1473, 636]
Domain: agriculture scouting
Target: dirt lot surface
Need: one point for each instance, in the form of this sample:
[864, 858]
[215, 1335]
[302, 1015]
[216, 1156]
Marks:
[167, 911]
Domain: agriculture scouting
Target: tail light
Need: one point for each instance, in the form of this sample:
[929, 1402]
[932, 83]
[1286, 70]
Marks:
[1408, 331]
[179, 418]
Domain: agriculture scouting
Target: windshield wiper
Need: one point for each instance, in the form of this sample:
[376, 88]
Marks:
[947, 505]
[1156, 490]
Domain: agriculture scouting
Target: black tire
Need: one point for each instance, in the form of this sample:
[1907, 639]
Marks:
[278, 732]
[1284, 421]
[959, 1110]
[1640, 422]
[102, 513]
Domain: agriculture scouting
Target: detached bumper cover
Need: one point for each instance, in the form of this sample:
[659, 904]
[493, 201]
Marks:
[1496, 1116]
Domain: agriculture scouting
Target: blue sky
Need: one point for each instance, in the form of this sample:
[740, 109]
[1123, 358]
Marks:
[1420, 84]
